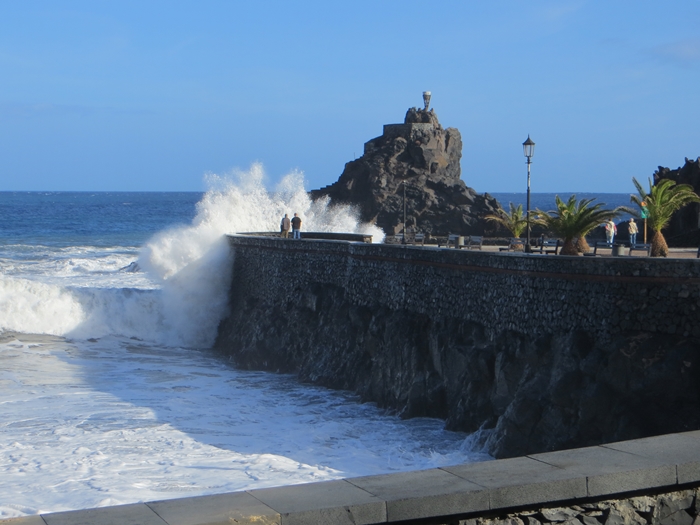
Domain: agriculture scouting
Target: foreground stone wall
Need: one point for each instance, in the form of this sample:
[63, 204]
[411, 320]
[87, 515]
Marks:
[667, 508]
[537, 352]
[652, 480]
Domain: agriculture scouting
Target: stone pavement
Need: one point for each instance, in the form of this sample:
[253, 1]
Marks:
[674, 253]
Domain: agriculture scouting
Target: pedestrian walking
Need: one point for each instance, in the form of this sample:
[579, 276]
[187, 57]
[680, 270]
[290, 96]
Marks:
[610, 231]
[633, 230]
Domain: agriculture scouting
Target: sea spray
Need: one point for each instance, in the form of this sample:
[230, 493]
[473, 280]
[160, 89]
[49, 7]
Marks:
[181, 294]
[193, 262]
[34, 307]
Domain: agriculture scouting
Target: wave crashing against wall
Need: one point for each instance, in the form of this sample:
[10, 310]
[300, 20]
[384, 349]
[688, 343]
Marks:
[180, 295]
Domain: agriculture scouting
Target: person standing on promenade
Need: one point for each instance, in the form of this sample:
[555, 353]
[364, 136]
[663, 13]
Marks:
[633, 232]
[284, 226]
[296, 226]
[610, 231]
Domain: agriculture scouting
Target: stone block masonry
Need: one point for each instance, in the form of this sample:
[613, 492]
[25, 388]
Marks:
[538, 353]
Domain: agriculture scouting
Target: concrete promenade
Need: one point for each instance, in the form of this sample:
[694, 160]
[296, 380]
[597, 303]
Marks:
[673, 253]
[667, 463]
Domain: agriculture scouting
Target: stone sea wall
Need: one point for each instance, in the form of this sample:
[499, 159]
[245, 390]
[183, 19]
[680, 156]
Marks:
[680, 507]
[536, 353]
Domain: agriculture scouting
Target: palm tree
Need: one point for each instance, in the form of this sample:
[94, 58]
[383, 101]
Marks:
[662, 201]
[573, 220]
[515, 222]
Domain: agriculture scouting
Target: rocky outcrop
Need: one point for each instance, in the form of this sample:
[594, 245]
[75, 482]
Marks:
[684, 228]
[421, 160]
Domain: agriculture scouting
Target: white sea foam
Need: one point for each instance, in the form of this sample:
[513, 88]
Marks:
[240, 203]
[35, 307]
[115, 421]
[85, 291]
[117, 411]
[193, 262]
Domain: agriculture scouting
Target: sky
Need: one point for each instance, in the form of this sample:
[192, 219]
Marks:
[153, 95]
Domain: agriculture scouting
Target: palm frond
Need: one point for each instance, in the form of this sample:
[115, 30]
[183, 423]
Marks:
[662, 200]
[575, 219]
[514, 221]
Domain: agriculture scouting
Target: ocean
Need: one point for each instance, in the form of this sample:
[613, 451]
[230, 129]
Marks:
[546, 201]
[109, 391]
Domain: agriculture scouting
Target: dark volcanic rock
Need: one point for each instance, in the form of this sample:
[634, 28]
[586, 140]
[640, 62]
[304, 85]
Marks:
[684, 228]
[533, 395]
[540, 353]
[419, 158]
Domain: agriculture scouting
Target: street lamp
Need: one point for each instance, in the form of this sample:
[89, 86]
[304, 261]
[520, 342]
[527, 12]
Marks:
[529, 151]
[403, 241]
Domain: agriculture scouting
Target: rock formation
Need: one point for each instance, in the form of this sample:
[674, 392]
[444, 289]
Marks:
[419, 158]
[684, 229]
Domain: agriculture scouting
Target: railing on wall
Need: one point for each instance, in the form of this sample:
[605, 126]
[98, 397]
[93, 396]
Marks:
[325, 236]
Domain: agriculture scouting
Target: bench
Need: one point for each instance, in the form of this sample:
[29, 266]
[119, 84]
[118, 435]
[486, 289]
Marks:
[473, 242]
[515, 244]
[549, 246]
[419, 238]
[606, 244]
[598, 244]
[452, 239]
[641, 247]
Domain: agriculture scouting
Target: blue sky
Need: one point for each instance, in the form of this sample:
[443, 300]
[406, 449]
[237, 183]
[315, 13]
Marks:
[151, 95]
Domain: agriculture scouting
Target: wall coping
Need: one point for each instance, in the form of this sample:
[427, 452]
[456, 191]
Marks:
[663, 462]
[637, 269]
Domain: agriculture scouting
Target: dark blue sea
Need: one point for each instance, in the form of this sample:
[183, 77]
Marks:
[128, 219]
[546, 201]
[91, 218]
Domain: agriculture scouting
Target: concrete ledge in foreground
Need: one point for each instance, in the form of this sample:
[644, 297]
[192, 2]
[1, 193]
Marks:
[662, 463]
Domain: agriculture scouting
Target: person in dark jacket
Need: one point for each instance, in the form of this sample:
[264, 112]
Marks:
[296, 226]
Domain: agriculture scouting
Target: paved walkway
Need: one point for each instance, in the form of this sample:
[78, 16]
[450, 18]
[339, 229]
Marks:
[676, 253]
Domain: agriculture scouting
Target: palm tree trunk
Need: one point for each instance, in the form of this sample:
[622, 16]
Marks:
[659, 248]
[569, 248]
[582, 245]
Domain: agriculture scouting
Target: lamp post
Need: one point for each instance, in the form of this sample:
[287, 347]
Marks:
[403, 240]
[529, 151]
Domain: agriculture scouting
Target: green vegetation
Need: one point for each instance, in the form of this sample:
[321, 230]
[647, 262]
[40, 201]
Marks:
[573, 220]
[661, 202]
[515, 221]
